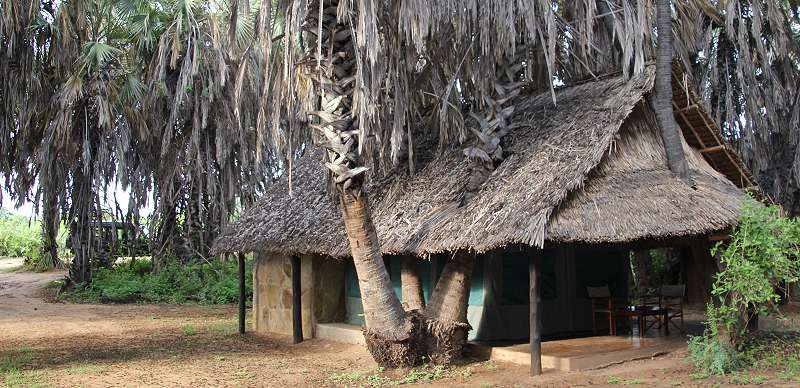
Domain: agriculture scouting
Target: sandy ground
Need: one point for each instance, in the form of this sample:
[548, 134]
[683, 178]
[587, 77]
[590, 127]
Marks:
[68, 345]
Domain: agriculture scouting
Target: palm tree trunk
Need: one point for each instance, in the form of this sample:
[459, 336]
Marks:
[662, 101]
[413, 297]
[383, 312]
[50, 225]
[81, 230]
[393, 337]
[447, 311]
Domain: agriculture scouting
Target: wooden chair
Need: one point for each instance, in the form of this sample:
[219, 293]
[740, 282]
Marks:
[602, 304]
[672, 299]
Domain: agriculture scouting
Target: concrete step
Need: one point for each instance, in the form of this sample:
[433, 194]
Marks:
[339, 332]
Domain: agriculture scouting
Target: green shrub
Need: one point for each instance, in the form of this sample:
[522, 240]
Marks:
[713, 355]
[762, 254]
[211, 283]
[19, 237]
[118, 285]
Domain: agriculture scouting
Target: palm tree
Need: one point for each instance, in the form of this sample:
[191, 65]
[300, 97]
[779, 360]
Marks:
[92, 88]
[662, 101]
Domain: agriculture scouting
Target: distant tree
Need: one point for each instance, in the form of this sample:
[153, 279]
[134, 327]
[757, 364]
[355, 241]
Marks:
[158, 96]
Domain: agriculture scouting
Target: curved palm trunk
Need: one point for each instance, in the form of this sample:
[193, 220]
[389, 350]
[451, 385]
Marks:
[662, 101]
[393, 337]
[446, 312]
[383, 313]
[413, 297]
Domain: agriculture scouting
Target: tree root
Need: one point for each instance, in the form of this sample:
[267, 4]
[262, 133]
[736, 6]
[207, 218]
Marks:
[445, 340]
[403, 348]
[419, 340]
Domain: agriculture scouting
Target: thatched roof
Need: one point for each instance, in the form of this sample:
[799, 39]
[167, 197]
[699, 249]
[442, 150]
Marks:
[575, 173]
[632, 196]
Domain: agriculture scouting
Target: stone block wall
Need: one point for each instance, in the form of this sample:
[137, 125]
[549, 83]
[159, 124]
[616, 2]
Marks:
[272, 294]
[322, 293]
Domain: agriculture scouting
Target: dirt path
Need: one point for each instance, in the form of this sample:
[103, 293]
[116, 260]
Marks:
[68, 345]
[20, 293]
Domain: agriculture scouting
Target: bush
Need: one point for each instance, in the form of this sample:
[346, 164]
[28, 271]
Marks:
[212, 283]
[712, 354]
[762, 255]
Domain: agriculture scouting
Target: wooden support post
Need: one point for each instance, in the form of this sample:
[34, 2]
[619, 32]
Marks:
[536, 318]
[241, 294]
[297, 312]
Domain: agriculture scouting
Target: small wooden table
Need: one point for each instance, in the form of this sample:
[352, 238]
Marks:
[641, 313]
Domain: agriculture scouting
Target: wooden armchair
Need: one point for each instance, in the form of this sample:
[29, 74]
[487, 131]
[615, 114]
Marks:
[602, 303]
[672, 299]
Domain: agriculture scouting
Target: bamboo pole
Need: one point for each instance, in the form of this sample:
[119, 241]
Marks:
[536, 318]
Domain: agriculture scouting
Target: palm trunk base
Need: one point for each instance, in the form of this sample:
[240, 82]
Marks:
[445, 340]
[405, 347]
[420, 339]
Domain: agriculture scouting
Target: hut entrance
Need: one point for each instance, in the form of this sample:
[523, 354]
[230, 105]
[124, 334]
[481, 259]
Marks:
[499, 296]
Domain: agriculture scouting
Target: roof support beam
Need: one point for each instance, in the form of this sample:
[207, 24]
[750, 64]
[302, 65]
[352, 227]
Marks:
[297, 312]
[536, 318]
[721, 147]
[241, 294]
[746, 181]
[688, 124]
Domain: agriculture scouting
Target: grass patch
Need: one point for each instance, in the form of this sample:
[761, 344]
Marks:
[189, 330]
[423, 374]
[87, 369]
[16, 378]
[746, 379]
[17, 360]
[224, 328]
[613, 380]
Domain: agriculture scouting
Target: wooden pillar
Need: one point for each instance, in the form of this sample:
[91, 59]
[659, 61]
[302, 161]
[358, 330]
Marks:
[241, 294]
[297, 312]
[536, 318]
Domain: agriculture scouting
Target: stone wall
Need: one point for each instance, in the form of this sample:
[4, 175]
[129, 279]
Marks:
[322, 293]
[272, 294]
